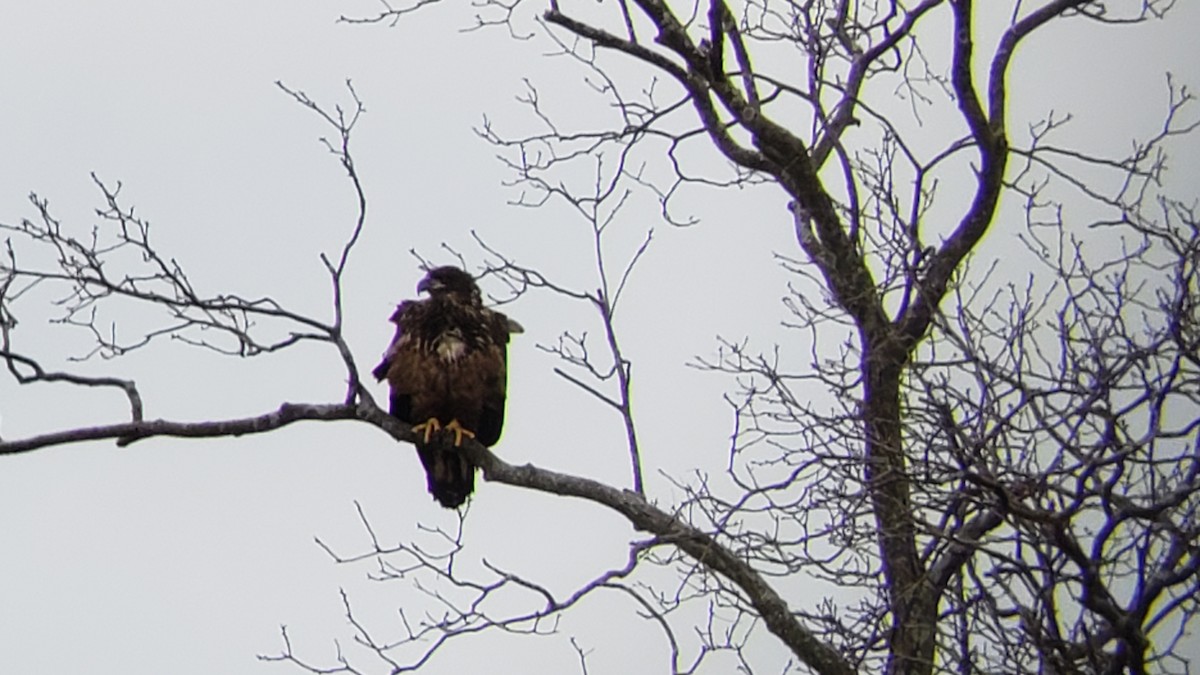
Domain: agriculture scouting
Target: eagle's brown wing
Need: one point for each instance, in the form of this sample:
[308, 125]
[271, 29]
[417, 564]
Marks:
[493, 379]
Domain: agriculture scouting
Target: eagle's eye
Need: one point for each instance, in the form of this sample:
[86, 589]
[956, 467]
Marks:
[428, 285]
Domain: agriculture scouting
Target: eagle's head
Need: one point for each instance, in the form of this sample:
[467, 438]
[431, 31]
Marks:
[450, 282]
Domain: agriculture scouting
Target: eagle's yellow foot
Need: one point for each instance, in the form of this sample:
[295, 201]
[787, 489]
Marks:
[459, 431]
[428, 428]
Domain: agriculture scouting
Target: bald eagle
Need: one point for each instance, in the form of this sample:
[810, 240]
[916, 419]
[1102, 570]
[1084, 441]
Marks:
[446, 367]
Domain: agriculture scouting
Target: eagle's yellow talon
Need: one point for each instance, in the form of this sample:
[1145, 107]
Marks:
[459, 431]
[428, 428]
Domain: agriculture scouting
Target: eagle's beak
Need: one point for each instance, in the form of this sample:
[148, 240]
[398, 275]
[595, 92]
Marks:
[423, 287]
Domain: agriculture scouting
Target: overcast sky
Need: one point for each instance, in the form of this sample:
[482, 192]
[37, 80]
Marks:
[185, 557]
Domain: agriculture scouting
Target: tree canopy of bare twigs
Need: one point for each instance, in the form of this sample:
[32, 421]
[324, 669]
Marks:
[945, 464]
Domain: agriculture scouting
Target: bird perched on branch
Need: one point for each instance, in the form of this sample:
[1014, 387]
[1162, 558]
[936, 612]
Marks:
[446, 367]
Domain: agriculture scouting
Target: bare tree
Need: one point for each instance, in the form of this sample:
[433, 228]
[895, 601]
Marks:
[978, 471]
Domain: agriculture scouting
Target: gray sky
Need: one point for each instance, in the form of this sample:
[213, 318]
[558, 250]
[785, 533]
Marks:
[187, 556]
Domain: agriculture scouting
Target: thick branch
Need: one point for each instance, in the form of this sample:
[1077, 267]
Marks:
[288, 413]
[646, 517]
[989, 131]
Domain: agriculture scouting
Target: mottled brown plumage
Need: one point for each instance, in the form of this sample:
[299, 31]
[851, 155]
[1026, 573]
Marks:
[446, 368]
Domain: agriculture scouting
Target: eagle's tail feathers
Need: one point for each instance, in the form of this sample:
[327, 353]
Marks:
[449, 475]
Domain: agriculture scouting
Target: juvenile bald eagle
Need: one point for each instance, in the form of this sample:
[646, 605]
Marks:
[446, 368]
